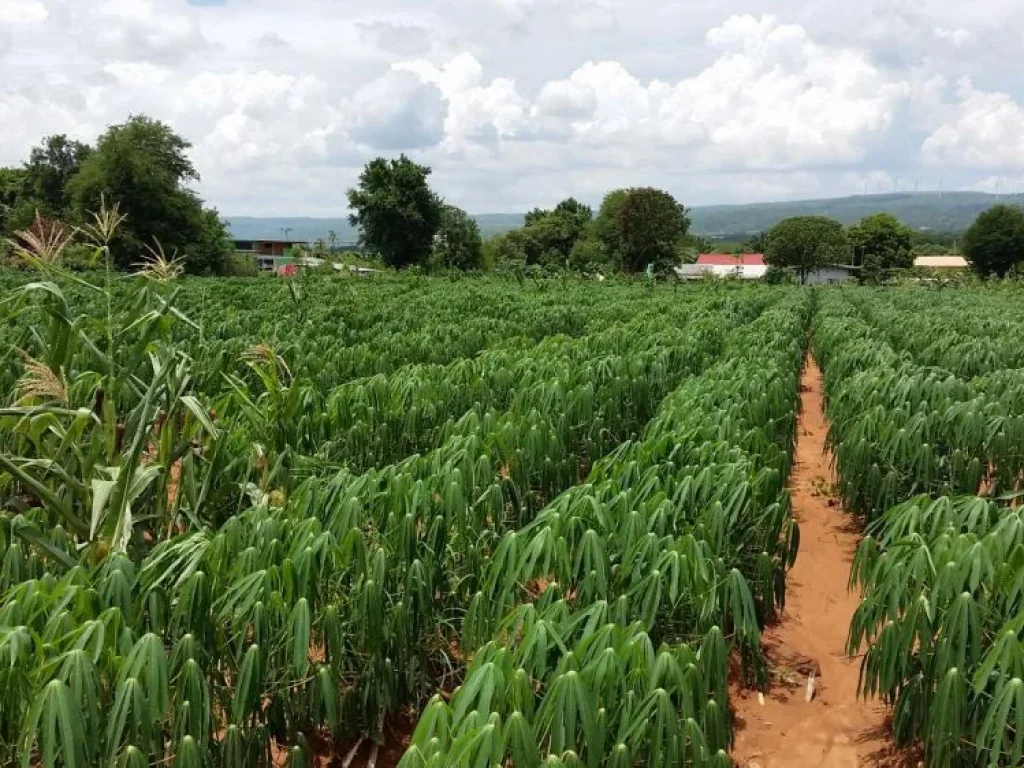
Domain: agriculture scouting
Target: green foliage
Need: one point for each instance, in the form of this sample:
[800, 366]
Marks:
[50, 168]
[240, 265]
[397, 213]
[606, 223]
[927, 413]
[457, 244]
[633, 229]
[778, 276]
[589, 255]
[13, 199]
[994, 243]
[217, 547]
[651, 225]
[512, 250]
[143, 167]
[881, 243]
[547, 239]
[804, 243]
[757, 243]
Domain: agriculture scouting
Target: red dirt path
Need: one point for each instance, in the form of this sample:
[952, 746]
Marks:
[835, 729]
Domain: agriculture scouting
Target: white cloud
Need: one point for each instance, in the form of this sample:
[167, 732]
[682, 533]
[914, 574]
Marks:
[477, 114]
[958, 37]
[518, 102]
[397, 111]
[137, 74]
[22, 12]
[771, 99]
[985, 130]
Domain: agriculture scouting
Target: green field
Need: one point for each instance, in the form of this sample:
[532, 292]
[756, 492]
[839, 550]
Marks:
[256, 522]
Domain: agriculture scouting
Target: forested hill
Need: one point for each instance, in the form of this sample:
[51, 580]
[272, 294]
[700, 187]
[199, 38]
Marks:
[940, 212]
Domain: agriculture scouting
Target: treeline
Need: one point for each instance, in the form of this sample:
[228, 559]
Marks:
[141, 168]
[407, 224]
[923, 243]
[880, 244]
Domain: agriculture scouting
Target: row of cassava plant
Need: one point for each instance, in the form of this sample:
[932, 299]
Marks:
[900, 429]
[980, 330]
[939, 622]
[603, 628]
[941, 625]
[331, 331]
[378, 420]
[231, 635]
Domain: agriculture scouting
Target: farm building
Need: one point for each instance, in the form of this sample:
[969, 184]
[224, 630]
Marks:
[748, 266]
[831, 274]
[941, 262]
[269, 254]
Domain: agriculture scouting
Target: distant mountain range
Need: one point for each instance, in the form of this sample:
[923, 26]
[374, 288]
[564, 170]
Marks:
[940, 212]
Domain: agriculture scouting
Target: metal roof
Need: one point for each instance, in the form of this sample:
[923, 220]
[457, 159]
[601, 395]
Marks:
[941, 262]
[732, 260]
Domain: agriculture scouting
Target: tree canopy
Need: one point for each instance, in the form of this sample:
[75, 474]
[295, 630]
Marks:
[881, 243]
[457, 244]
[633, 228]
[396, 211]
[994, 243]
[805, 243]
[547, 238]
[41, 184]
[49, 169]
[142, 166]
[651, 226]
[606, 224]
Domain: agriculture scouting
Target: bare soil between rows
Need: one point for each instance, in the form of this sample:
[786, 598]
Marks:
[836, 729]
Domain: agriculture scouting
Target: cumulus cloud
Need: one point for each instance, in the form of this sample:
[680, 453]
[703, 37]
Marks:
[958, 37]
[519, 102]
[397, 111]
[985, 130]
[772, 98]
[22, 12]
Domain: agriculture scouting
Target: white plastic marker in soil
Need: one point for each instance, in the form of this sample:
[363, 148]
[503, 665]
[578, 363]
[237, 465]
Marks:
[811, 715]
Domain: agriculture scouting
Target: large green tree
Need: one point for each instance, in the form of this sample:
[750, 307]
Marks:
[651, 227]
[994, 243]
[805, 243]
[547, 239]
[881, 243]
[143, 167]
[457, 244]
[606, 223]
[50, 167]
[396, 211]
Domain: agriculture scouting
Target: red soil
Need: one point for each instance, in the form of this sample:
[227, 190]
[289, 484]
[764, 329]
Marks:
[836, 729]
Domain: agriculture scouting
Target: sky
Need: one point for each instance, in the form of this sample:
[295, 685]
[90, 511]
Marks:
[520, 103]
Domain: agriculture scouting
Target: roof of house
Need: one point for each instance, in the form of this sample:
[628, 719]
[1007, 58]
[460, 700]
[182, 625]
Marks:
[732, 260]
[948, 262]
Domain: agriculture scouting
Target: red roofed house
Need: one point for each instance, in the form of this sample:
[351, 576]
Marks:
[748, 266]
